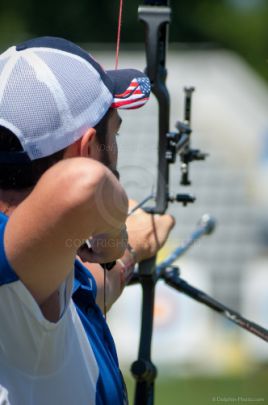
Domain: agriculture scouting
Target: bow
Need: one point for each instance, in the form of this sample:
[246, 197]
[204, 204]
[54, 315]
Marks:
[155, 15]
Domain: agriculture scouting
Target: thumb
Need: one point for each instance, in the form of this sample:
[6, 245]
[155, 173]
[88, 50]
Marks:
[132, 203]
[167, 220]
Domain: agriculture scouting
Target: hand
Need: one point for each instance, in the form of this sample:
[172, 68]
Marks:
[147, 233]
[104, 248]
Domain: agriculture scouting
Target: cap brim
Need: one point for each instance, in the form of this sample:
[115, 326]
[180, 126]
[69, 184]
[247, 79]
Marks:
[130, 88]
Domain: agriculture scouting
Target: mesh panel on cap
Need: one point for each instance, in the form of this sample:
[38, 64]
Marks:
[81, 82]
[49, 98]
[31, 106]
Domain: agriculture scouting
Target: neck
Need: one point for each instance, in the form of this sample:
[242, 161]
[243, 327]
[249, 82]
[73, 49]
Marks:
[10, 199]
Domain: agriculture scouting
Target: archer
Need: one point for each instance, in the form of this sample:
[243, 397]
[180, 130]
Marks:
[62, 207]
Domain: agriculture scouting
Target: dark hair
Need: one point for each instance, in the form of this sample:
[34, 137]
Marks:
[21, 176]
[102, 128]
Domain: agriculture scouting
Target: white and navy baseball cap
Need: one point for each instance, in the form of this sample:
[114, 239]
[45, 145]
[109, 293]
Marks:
[51, 91]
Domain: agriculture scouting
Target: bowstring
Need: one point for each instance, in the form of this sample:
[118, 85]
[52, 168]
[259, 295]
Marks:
[118, 39]
[119, 25]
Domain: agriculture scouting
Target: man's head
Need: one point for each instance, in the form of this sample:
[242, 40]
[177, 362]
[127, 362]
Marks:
[100, 142]
[57, 101]
[97, 143]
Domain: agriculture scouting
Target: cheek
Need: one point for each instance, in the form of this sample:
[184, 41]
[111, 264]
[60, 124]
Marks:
[113, 152]
[96, 151]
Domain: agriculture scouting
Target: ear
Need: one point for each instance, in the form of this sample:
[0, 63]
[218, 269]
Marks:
[87, 142]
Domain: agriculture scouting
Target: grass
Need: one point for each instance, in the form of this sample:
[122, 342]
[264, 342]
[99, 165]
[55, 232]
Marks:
[251, 389]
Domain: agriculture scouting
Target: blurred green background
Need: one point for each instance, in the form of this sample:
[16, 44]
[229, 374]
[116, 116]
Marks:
[205, 391]
[240, 25]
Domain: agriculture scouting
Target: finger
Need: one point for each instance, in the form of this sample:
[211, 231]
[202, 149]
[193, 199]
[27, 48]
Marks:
[170, 221]
[155, 222]
[132, 204]
[166, 220]
[162, 227]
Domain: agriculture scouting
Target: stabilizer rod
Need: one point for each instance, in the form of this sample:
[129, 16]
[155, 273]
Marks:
[171, 277]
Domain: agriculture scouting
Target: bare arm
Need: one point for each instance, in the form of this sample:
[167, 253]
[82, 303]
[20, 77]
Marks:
[147, 234]
[73, 200]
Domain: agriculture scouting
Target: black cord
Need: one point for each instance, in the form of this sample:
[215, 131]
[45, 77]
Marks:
[104, 293]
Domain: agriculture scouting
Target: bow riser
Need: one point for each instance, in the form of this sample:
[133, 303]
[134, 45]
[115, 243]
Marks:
[156, 21]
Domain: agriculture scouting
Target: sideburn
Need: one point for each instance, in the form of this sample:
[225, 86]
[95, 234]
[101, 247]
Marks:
[101, 136]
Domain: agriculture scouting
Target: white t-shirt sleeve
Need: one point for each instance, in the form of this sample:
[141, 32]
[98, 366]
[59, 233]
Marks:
[24, 329]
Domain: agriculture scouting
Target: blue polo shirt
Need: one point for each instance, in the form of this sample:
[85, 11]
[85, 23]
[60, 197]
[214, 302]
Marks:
[110, 382]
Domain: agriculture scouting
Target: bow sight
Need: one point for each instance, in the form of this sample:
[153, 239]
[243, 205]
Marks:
[155, 14]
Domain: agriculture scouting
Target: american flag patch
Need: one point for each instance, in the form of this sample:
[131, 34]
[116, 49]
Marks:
[135, 96]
